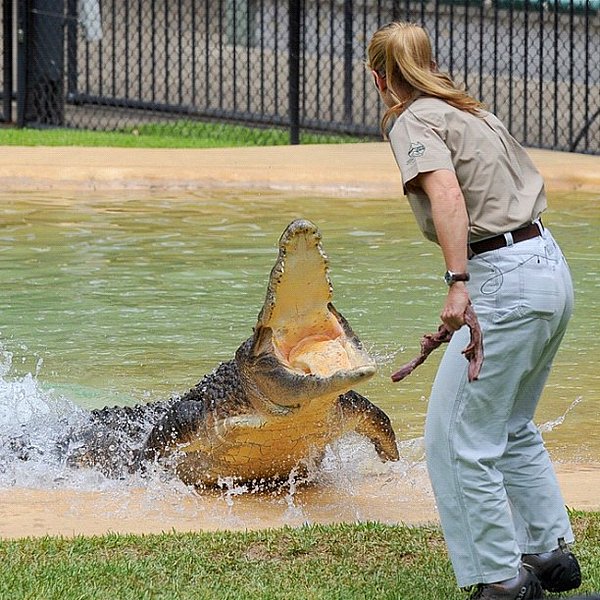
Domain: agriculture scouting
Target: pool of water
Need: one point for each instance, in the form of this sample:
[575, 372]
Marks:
[118, 298]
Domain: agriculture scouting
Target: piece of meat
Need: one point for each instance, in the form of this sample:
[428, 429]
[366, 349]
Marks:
[430, 341]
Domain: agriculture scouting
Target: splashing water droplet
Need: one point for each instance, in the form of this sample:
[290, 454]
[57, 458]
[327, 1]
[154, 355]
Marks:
[550, 425]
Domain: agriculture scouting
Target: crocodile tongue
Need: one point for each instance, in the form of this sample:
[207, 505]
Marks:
[302, 347]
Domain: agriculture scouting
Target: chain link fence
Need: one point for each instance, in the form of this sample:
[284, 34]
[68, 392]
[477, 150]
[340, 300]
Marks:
[284, 68]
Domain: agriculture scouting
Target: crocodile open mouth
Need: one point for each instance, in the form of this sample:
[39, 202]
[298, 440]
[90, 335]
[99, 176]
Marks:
[298, 323]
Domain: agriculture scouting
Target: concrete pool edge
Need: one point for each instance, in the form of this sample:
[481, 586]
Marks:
[366, 169]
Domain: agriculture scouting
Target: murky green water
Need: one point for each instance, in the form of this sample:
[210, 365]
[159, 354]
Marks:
[128, 297]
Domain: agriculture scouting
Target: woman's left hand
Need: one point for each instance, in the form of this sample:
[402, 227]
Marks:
[453, 313]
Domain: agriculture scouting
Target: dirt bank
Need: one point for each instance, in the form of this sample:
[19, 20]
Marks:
[38, 512]
[347, 169]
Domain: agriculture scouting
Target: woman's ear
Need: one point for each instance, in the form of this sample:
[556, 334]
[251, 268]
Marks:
[380, 81]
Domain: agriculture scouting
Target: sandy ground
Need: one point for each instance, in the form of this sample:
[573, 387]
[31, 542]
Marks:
[37, 512]
[344, 170]
[347, 169]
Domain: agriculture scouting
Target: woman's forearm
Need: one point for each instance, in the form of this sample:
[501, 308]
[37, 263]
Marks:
[451, 222]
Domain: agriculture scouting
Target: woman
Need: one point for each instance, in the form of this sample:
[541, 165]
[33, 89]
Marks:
[475, 192]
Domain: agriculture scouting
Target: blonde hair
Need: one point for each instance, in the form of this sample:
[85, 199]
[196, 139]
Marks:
[401, 53]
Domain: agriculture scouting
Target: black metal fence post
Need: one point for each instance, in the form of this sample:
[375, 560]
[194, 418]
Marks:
[295, 15]
[43, 43]
[71, 48]
[23, 14]
[348, 59]
[7, 63]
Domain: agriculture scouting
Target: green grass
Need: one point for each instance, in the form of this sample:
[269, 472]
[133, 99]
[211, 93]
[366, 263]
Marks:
[170, 134]
[347, 561]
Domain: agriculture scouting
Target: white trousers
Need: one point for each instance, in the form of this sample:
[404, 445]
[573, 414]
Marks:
[494, 484]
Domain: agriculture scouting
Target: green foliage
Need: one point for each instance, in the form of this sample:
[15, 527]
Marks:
[343, 561]
[166, 134]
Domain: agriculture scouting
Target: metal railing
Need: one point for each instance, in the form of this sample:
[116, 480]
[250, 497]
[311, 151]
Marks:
[294, 64]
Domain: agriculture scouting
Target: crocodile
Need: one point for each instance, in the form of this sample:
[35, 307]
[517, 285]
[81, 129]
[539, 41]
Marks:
[269, 412]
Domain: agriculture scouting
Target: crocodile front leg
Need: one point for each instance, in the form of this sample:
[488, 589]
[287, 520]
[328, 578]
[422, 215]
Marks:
[365, 418]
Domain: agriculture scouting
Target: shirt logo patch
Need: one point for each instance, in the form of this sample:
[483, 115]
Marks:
[416, 150]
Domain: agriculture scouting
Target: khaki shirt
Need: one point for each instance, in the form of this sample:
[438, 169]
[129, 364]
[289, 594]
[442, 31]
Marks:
[502, 188]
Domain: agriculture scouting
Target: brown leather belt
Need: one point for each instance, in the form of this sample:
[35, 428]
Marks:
[499, 241]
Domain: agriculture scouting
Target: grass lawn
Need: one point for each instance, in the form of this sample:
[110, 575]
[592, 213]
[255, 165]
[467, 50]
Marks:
[169, 134]
[361, 561]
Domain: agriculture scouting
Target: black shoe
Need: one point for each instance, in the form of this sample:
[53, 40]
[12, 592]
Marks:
[525, 586]
[558, 571]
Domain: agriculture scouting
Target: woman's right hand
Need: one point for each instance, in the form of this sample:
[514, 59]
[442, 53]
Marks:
[453, 313]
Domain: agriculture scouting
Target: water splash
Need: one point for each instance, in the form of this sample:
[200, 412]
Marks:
[550, 425]
[32, 420]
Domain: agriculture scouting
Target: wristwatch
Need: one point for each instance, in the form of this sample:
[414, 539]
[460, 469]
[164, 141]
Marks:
[450, 277]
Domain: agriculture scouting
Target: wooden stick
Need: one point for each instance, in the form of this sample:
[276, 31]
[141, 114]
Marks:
[430, 341]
